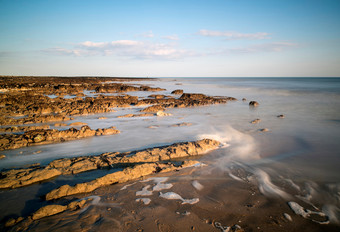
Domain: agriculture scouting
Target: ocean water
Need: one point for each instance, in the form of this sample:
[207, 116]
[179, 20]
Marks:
[297, 159]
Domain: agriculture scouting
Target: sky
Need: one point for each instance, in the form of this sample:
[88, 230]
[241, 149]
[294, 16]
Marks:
[193, 38]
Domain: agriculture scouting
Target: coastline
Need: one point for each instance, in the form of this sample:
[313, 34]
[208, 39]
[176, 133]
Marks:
[234, 196]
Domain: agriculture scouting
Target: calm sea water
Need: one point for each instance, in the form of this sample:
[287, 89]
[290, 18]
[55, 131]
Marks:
[299, 156]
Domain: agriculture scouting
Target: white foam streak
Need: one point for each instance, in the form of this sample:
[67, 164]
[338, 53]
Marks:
[332, 212]
[241, 146]
[267, 187]
[144, 191]
[197, 185]
[306, 213]
[235, 177]
[161, 186]
[146, 201]
[175, 196]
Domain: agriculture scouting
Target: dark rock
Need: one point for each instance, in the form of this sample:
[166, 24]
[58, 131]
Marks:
[177, 91]
[254, 103]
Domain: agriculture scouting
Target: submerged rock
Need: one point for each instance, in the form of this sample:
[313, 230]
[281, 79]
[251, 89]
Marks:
[256, 121]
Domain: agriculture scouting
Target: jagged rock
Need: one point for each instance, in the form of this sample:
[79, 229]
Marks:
[127, 174]
[256, 121]
[13, 221]
[254, 103]
[77, 124]
[182, 124]
[23, 128]
[157, 96]
[177, 91]
[135, 115]
[48, 210]
[22, 177]
[35, 137]
[60, 124]
[162, 114]
[193, 96]
[154, 108]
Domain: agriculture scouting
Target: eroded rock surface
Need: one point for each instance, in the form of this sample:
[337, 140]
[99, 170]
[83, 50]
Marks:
[23, 128]
[22, 177]
[127, 174]
[40, 136]
[186, 100]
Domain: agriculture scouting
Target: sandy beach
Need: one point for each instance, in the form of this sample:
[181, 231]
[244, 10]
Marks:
[115, 154]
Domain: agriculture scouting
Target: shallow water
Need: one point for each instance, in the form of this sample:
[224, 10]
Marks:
[296, 160]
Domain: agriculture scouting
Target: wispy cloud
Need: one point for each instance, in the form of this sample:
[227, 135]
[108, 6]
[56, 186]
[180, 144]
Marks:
[233, 35]
[171, 37]
[124, 48]
[258, 48]
[148, 34]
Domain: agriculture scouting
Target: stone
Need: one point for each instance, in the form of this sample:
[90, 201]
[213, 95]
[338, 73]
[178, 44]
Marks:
[21, 177]
[182, 124]
[48, 210]
[177, 91]
[60, 124]
[255, 121]
[40, 136]
[77, 124]
[162, 114]
[253, 103]
[127, 174]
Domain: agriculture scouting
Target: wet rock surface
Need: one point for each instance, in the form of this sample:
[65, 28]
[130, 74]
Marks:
[41, 136]
[254, 103]
[23, 128]
[22, 177]
[127, 174]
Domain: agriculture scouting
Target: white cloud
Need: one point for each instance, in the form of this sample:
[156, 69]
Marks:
[233, 35]
[117, 43]
[171, 37]
[148, 34]
[258, 48]
[124, 48]
[63, 51]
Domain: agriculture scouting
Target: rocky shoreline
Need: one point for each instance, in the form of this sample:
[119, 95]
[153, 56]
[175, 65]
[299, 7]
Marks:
[125, 178]
[140, 164]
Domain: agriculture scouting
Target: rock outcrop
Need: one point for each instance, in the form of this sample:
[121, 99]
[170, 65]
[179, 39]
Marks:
[23, 128]
[177, 91]
[127, 174]
[254, 103]
[40, 136]
[22, 177]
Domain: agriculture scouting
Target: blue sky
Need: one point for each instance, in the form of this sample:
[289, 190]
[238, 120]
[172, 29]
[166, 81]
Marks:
[229, 38]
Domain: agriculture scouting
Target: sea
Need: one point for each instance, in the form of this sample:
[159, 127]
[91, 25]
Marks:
[294, 157]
